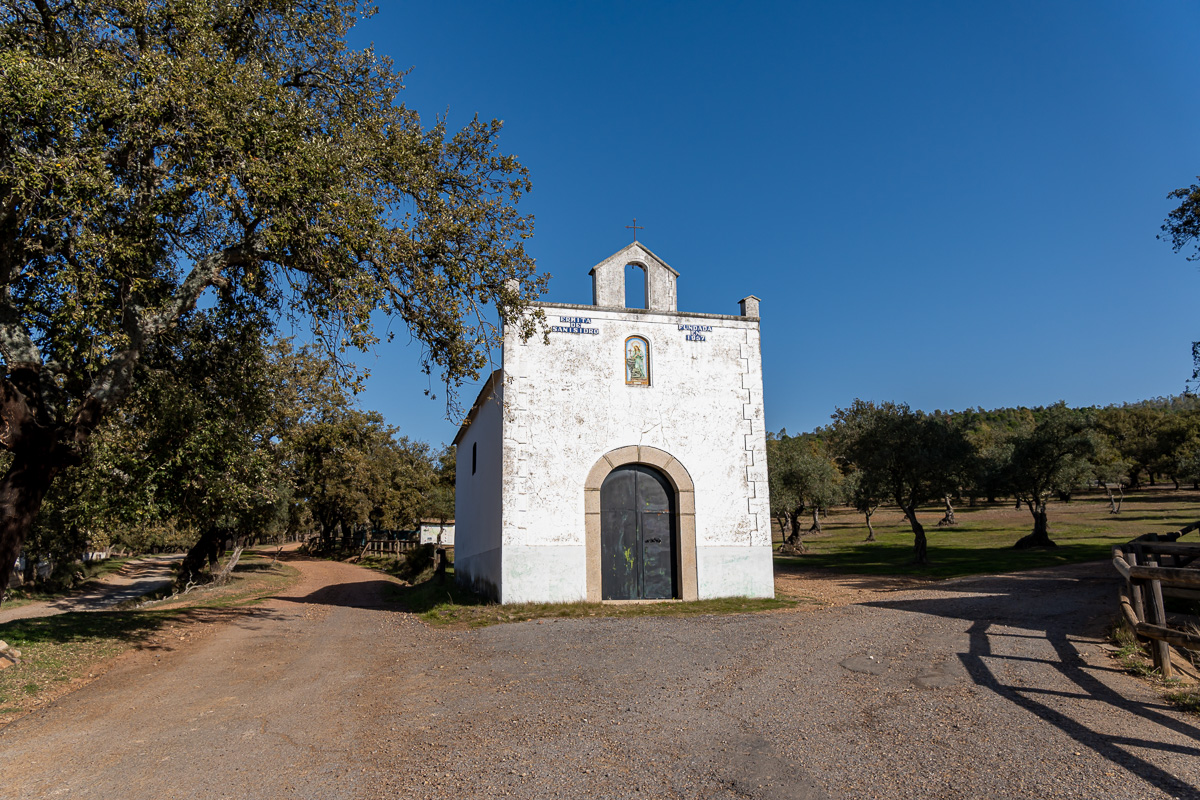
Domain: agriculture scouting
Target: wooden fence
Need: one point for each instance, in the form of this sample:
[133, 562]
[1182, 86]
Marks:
[1154, 566]
[390, 546]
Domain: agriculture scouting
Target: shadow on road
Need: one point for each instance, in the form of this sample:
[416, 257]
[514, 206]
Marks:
[1029, 602]
[392, 596]
[374, 594]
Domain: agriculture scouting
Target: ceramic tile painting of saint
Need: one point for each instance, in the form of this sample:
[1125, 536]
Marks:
[637, 361]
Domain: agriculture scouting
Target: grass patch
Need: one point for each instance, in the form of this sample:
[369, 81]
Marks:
[254, 579]
[1186, 699]
[441, 602]
[982, 541]
[98, 569]
[1134, 658]
[64, 651]
[1131, 654]
[413, 566]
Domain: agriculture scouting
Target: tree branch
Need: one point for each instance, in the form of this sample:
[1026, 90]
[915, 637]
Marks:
[113, 382]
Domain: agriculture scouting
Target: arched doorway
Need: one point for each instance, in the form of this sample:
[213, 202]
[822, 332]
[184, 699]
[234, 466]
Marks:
[639, 543]
[683, 515]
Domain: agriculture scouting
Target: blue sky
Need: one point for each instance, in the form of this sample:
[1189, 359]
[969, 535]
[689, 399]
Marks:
[944, 204]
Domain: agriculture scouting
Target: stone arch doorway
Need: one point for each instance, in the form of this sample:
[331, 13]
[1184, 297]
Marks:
[659, 475]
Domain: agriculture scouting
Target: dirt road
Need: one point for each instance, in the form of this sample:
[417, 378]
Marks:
[992, 687]
[135, 579]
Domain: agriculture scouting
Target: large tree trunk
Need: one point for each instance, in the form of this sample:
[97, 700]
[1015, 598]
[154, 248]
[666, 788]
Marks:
[1114, 505]
[870, 530]
[1040, 537]
[782, 519]
[204, 553]
[920, 545]
[794, 527]
[816, 523]
[948, 518]
[793, 544]
[22, 491]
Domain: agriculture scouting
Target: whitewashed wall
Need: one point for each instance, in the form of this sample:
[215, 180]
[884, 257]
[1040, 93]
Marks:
[478, 507]
[566, 405]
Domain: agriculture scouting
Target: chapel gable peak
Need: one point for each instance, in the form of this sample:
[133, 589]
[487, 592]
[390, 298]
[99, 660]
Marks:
[608, 279]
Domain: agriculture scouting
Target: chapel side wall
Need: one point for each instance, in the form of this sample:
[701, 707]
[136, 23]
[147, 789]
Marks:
[478, 507]
[704, 407]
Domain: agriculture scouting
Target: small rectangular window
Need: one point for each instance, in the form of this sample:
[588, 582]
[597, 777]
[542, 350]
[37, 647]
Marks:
[473, 454]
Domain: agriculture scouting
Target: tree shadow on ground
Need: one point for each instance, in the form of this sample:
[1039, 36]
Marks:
[390, 595]
[1157, 519]
[437, 591]
[1027, 602]
[135, 627]
[945, 561]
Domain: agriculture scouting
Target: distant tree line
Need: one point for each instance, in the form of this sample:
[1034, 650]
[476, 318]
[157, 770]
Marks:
[233, 437]
[887, 453]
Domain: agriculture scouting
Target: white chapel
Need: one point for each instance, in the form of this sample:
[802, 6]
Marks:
[625, 460]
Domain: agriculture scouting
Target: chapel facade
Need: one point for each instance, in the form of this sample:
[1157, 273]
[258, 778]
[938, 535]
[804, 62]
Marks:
[624, 460]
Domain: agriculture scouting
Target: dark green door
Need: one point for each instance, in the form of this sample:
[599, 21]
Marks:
[637, 535]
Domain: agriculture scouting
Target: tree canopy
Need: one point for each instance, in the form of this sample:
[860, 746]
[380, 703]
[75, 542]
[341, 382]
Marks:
[906, 456]
[802, 476]
[153, 152]
[1053, 455]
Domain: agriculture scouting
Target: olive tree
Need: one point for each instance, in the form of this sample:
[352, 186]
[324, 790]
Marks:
[907, 456]
[805, 478]
[1053, 455]
[154, 153]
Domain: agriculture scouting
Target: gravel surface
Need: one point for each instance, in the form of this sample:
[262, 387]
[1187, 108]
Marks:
[986, 687]
[135, 579]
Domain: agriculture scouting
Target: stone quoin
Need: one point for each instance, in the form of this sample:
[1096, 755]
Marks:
[624, 460]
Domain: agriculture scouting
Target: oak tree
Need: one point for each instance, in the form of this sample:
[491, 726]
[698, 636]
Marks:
[154, 153]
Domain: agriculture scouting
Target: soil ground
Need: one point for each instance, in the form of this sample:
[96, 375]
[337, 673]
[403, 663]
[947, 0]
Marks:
[135, 579]
[993, 687]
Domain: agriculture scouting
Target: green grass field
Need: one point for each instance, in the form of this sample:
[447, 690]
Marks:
[982, 540]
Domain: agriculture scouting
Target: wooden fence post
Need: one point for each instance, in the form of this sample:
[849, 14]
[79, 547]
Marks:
[1162, 650]
[1138, 596]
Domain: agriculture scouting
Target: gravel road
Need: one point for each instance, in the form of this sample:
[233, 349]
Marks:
[980, 688]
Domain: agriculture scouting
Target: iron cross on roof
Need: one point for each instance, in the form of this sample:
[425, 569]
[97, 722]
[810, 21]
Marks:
[636, 228]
